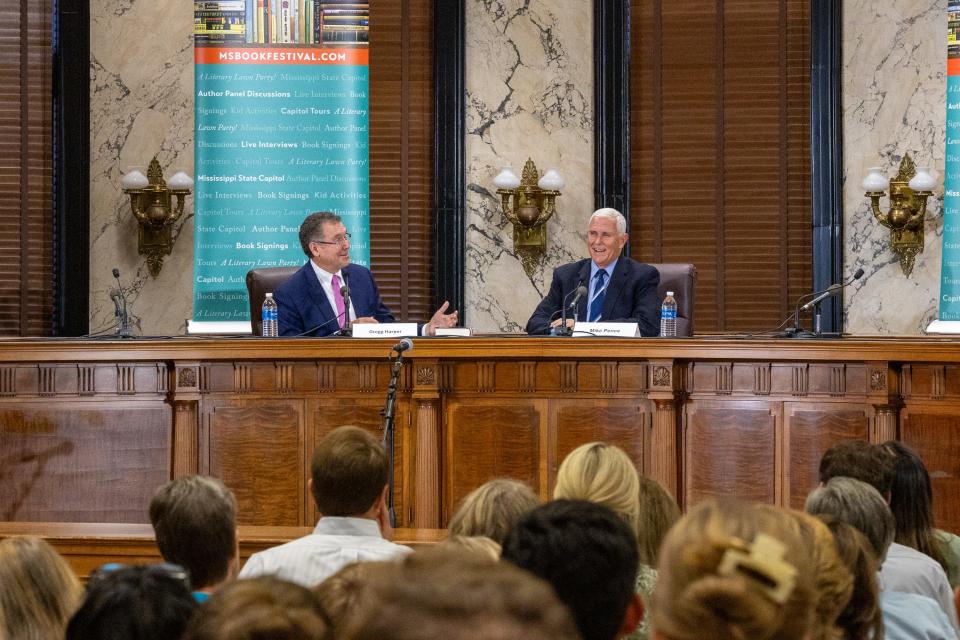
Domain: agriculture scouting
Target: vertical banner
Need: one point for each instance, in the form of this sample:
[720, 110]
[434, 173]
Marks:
[281, 131]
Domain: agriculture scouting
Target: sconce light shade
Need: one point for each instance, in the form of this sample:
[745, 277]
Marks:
[134, 179]
[551, 181]
[923, 180]
[875, 181]
[506, 179]
[179, 181]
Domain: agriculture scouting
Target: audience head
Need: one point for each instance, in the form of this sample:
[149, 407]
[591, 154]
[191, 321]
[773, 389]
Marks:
[349, 472]
[860, 460]
[911, 501]
[147, 602]
[456, 595]
[194, 519]
[492, 509]
[264, 608]
[658, 512]
[341, 595]
[859, 505]
[731, 570]
[861, 619]
[833, 582]
[589, 555]
[604, 474]
[38, 590]
[477, 544]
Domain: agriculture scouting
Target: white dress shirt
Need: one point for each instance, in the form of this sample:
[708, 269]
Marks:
[907, 616]
[909, 571]
[326, 283]
[334, 543]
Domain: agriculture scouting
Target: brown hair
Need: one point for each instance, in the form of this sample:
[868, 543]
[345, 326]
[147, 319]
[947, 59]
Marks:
[264, 608]
[658, 512]
[38, 590]
[458, 595]
[723, 575]
[349, 472]
[833, 581]
[194, 519]
[860, 460]
[492, 509]
[341, 594]
[861, 619]
[311, 229]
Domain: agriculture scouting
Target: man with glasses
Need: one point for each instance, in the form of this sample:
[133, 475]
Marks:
[311, 302]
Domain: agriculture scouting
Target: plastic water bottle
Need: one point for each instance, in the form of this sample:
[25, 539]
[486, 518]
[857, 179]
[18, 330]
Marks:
[270, 317]
[668, 317]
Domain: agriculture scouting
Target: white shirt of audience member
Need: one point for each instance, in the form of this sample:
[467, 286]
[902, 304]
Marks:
[908, 571]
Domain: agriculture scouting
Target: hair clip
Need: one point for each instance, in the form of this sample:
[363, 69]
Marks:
[762, 561]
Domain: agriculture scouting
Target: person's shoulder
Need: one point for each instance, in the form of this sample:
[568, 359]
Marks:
[640, 268]
[571, 268]
[911, 555]
[294, 282]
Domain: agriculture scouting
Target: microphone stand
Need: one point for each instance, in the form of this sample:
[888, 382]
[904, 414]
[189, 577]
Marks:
[563, 329]
[387, 414]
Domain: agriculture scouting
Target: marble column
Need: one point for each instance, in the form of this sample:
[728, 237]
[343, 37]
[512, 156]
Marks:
[529, 94]
[894, 102]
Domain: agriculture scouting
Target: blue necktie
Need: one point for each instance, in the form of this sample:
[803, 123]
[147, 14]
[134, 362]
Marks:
[599, 293]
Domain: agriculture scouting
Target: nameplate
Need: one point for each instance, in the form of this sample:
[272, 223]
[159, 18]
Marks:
[385, 330]
[607, 329]
[463, 332]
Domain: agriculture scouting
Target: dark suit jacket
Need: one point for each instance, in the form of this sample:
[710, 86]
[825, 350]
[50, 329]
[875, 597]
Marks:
[303, 307]
[631, 296]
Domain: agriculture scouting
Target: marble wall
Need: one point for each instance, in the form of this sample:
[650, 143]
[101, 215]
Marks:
[141, 105]
[894, 102]
[529, 94]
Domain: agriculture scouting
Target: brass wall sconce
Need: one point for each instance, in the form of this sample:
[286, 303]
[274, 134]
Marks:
[909, 191]
[533, 204]
[151, 202]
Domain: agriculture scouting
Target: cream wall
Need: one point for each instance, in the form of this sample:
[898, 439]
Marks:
[529, 92]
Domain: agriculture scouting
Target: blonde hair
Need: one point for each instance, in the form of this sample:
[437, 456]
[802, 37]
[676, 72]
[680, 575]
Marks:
[833, 581]
[658, 512]
[723, 576]
[492, 509]
[39, 591]
[601, 473]
[476, 544]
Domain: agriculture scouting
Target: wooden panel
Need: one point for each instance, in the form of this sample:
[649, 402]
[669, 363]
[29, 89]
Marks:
[82, 462]
[487, 440]
[934, 432]
[730, 449]
[622, 423]
[812, 429]
[257, 449]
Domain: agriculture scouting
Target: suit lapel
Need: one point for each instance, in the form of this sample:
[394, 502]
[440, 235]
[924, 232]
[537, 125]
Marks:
[317, 296]
[583, 278]
[615, 288]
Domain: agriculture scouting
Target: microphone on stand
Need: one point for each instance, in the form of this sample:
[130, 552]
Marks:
[404, 345]
[814, 303]
[346, 330]
[563, 329]
[119, 297]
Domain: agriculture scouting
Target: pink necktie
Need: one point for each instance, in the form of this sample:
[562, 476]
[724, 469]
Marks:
[338, 299]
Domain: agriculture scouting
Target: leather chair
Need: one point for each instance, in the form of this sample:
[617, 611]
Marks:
[681, 278]
[260, 282]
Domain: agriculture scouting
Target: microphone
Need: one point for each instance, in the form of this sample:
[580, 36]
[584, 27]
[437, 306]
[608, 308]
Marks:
[563, 329]
[831, 290]
[345, 293]
[404, 345]
[118, 295]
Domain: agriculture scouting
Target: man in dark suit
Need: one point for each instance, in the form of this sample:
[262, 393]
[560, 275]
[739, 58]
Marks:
[618, 289]
[311, 302]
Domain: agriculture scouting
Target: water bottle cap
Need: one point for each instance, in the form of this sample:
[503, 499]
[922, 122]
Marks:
[669, 293]
[269, 295]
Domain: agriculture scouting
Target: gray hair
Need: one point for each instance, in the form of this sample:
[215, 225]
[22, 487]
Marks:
[859, 505]
[611, 214]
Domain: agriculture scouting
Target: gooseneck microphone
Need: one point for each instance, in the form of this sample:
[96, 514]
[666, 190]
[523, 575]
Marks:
[119, 297]
[346, 330]
[579, 292]
[404, 345]
[814, 303]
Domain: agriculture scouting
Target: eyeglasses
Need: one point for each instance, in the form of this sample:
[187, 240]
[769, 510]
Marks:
[339, 240]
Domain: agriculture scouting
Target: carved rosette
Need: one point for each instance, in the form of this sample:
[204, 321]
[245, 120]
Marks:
[878, 380]
[425, 376]
[661, 376]
[187, 378]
